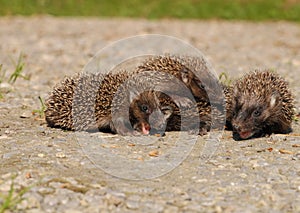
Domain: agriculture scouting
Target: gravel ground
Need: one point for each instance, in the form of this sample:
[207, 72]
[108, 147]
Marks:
[60, 173]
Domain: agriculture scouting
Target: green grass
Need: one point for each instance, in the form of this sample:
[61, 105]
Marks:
[195, 9]
[41, 111]
[19, 67]
[224, 79]
[10, 200]
[17, 73]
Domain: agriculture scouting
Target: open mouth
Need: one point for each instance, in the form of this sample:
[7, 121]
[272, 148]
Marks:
[246, 134]
[145, 129]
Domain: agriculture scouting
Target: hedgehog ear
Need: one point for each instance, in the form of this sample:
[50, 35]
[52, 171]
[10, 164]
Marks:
[185, 76]
[274, 100]
[167, 111]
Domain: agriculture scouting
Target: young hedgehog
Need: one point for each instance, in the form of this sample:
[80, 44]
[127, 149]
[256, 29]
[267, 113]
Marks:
[119, 103]
[192, 71]
[261, 104]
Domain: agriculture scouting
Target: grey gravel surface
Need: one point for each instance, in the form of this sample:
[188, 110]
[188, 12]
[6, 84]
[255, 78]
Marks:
[64, 174]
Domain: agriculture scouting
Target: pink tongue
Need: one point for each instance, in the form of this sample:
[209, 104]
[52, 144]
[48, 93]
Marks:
[245, 135]
[145, 129]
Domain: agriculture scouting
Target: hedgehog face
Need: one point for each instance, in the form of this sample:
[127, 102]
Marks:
[145, 114]
[252, 117]
[246, 121]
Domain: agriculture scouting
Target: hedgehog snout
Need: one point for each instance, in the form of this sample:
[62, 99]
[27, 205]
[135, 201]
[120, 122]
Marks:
[142, 127]
[242, 126]
[242, 130]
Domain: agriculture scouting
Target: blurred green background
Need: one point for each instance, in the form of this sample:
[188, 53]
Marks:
[193, 9]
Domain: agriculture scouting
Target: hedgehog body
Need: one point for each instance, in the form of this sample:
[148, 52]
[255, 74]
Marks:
[260, 104]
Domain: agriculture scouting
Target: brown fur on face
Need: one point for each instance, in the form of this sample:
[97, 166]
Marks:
[147, 115]
[141, 108]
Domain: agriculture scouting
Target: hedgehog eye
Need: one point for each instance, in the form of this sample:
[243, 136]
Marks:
[256, 112]
[144, 108]
[202, 86]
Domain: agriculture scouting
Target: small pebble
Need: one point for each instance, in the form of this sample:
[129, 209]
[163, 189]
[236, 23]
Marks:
[130, 204]
[41, 155]
[25, 115]
[60, 155]
[46, 190]
[3, 137]
[154, 153]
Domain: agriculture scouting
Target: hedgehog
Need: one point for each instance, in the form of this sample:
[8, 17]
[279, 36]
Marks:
[194, 72]
[119, 103]
[261, 104]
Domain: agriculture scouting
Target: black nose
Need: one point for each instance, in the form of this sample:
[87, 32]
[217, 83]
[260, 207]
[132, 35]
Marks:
[236, 136]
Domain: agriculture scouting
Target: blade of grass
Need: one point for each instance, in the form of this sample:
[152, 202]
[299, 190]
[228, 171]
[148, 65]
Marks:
[42, 108]
[19, 67]
[12, 198]
[227, 81]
